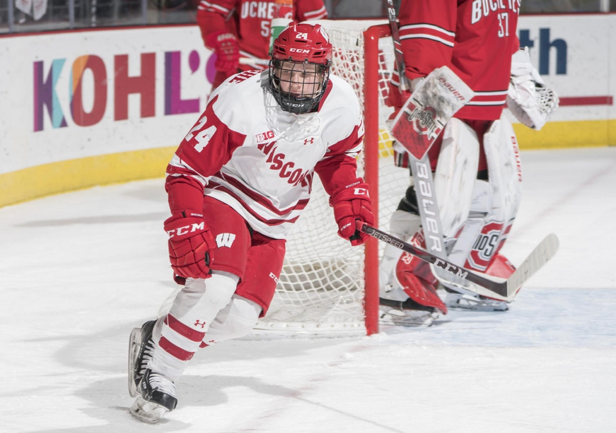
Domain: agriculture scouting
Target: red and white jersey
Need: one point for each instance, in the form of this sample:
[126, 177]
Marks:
[475, 38]
[236, 154]
[251, 20]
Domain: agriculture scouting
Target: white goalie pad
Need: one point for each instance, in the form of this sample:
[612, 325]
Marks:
[455, 175]
[528, 99]
[494, 204]
[505, 181]
[481, 206]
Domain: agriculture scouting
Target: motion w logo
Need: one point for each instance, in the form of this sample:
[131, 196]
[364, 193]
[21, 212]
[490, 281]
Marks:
[225, 240]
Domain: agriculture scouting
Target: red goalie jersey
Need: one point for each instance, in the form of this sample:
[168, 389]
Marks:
[475, 38]
[250, 21]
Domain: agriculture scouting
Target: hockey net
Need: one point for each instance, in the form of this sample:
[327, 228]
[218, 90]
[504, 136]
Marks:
[328, 287]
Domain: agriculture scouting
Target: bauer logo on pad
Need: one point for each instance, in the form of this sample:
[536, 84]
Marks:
[424, 115]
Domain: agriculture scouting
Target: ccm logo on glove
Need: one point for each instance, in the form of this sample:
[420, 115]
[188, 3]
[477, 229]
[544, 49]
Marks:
[180, 231]
[191, 245]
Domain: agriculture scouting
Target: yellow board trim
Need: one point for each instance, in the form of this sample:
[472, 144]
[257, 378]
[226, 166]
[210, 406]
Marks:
[74, 174]
[561, 135]
[71, 175]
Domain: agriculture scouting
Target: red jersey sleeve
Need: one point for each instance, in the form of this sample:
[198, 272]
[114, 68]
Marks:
[205, 149]
[339, 166]
[213, 16]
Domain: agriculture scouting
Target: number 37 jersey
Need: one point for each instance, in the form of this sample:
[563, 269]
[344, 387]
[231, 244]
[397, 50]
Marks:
[475, 38]
[249, 154]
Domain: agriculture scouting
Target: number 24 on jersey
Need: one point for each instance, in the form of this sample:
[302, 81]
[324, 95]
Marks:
[202, 137]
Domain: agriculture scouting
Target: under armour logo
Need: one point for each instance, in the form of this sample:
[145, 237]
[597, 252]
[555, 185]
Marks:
[198, 323]
[309, 140]
[225, 240]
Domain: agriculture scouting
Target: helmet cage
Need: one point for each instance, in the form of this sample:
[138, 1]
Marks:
[298, 86]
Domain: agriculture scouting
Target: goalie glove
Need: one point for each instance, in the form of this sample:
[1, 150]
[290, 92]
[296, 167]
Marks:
[528, 99]
[191, 246]
[352, 203]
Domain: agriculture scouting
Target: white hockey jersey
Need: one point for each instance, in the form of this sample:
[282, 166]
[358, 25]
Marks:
[246, 152]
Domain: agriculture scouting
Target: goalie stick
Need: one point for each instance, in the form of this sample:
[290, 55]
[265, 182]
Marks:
[395, 35]
[505, 290]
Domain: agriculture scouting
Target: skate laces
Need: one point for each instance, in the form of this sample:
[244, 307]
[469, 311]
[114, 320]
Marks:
[148, 353]
[160, 383]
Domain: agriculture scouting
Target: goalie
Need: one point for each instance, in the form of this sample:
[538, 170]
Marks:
[238, 181]
[475, 160]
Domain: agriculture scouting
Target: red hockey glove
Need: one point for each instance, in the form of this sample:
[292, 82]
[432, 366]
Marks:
[227, 51]
[190, 245]
[351, 203]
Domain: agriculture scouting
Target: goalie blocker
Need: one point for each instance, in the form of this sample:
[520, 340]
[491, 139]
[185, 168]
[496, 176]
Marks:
[426, 112]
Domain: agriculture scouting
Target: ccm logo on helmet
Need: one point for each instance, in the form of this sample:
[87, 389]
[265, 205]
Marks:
[299, 50]
[186, 229]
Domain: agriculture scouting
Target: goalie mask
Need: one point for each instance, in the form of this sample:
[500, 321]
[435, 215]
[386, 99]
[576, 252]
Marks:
[299, 67]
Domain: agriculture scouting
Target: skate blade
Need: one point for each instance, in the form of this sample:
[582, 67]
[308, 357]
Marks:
[408, 318]
[134, 343]
[465, 305]
[146, 411]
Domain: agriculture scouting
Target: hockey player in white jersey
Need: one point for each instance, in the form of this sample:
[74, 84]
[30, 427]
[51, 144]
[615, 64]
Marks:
[238, 181]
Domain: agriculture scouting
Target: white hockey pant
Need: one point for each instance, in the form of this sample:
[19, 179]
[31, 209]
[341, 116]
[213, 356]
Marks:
[201, 306]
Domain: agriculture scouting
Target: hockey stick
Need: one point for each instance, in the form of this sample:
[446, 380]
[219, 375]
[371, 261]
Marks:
[395, 35]
[502, 290]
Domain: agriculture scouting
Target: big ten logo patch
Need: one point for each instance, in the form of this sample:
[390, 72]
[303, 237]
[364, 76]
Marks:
[264, 136]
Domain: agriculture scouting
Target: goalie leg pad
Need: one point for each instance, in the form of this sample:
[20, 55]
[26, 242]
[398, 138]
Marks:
[455, 175]
[505, 178]
[402, 225]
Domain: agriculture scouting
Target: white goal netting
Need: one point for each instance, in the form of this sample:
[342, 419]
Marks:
[321, 288]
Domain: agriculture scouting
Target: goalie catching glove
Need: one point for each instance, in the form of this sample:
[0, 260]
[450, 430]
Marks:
[528, 99]
[352, 203]
[191, 246]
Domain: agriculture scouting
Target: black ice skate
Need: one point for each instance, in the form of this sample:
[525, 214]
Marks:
[140, 349]
[156, 397]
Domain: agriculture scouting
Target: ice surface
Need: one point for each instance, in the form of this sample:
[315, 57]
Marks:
[79, 270]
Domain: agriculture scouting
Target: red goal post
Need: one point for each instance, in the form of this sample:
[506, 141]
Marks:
[327, 287]
[371, 167]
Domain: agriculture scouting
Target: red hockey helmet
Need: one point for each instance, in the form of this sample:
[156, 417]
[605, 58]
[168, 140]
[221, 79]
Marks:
[299, 67]
[303, 43]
